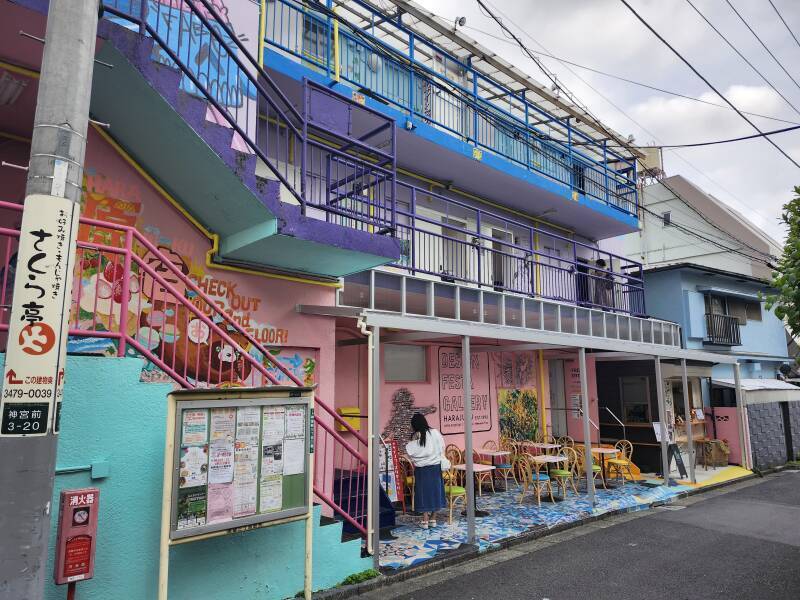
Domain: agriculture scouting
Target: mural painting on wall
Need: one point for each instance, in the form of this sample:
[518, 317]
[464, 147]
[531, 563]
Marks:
[451, 396]
[160, 317]
[519, 413]
[398, 427]
[514, 369]
[211, 63]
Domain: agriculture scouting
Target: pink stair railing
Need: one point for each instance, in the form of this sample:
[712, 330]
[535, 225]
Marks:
[129, 291]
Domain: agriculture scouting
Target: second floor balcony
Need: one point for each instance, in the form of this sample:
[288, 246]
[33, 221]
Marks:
[722, 330]
[428, 83]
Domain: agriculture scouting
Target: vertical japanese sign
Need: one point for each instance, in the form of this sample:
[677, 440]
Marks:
[451, 396]
[33, 380]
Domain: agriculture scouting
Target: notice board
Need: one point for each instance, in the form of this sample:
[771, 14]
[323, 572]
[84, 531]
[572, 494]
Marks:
[237, 458]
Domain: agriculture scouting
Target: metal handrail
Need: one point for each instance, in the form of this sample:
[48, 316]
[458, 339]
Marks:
[625, 437]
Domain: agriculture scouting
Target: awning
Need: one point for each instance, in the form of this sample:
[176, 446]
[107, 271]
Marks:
[717, 291]
[760, 391]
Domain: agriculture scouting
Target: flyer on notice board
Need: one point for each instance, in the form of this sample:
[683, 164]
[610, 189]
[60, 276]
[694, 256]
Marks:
[295, 421]
[294, 452]
[193, 467]
[271, 493]
[220, 502]
[273, 425]
[191, 508]
[223, 424]
[220, 462]
[195, 427]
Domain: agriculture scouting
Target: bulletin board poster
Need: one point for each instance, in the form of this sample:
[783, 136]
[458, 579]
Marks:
[390, 469]
[238, 465]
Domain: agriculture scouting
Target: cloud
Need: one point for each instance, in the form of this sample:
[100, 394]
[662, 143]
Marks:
[751, 176]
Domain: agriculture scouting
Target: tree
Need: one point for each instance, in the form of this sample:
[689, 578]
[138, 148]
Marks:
[786, 277]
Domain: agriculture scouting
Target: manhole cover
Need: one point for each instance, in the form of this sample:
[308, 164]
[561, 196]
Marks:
[672, 507]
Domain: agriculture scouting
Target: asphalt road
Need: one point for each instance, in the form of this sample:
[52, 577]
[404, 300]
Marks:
[740, 542]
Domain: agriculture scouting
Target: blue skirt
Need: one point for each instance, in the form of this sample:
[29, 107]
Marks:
[429, 489]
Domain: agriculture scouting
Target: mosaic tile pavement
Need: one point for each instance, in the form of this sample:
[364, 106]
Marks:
[507, 519]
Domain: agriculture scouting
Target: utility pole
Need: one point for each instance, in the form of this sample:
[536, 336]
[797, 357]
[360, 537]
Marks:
[33, 377]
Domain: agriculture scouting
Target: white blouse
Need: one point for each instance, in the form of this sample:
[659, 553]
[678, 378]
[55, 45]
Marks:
[429, 454]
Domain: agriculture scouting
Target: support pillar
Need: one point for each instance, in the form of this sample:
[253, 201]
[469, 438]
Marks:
[587, 432]
[374, 526]
[687, 411]
[742, 410]
[469, 477]
[662, 417]
[42, 292]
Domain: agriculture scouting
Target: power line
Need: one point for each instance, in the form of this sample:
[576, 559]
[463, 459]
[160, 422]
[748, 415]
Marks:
[625, 79]
[729, 140]
[785, 24]
[639, 125]
[743, 57]
[760, 41]
[706, 81]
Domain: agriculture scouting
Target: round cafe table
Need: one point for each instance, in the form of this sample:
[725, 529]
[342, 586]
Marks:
[476, 468]
[603, 452]
[542, 446]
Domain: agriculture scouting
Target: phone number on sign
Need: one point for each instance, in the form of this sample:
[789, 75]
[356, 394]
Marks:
[31, 393]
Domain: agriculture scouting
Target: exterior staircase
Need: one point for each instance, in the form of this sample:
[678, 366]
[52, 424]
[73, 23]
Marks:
[224, 354]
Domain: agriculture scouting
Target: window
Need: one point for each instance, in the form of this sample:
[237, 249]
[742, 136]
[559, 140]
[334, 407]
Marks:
[753, 311]
[635, 395]
[405, 363]
[738, 308]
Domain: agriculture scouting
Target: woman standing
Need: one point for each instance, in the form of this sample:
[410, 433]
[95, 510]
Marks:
[426, 450]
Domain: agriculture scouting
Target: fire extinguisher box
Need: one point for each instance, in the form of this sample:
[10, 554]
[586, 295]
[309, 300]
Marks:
[77, 535]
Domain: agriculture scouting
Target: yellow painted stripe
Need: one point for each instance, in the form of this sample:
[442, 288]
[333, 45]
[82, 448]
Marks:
[213, 237]
[19, 70]
[15, 137]
[262, 31]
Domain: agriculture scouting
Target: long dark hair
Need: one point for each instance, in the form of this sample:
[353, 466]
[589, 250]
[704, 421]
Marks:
[420, 426]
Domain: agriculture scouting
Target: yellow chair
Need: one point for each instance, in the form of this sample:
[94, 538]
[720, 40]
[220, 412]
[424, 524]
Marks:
[452, 491]
[623, 462]
[532, 476]
[407, 477]
[506, 468]
[564, 473]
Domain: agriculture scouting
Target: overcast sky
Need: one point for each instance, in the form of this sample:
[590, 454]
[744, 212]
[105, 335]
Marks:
[751, 176]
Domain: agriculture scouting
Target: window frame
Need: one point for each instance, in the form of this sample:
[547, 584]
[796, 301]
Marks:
[425, 358]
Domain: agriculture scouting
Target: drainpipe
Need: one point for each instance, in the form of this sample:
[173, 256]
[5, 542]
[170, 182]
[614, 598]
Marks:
[373, 445]
[740, 405]
[688, 414]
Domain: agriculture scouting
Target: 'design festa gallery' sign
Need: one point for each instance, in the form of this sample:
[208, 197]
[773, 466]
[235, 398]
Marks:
[451, 396]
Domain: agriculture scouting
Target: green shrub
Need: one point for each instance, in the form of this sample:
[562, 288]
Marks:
[360, 577]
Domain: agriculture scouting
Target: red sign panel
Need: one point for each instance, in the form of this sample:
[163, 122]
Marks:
[77, 532]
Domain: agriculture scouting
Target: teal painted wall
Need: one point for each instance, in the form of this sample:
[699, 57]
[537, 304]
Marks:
[108, 415]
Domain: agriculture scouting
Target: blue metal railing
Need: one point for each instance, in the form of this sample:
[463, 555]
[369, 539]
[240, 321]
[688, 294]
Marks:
[429, 84]
[296, 145]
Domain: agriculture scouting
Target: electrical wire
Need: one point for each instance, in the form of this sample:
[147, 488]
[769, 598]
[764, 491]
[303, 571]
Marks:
[785, 24]
[763, 45]
[642, 128]
[627, 80]
[743, 57]
[729, 140]
[706, 81]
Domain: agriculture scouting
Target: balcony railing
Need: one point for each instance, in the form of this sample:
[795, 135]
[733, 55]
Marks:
[399, 67]
[723, 330]
[459, 243]
[408, 295]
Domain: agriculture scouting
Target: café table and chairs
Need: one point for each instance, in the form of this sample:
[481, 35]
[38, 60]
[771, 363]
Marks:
[499, 459]
[478, 471]
[597, 470]
[605, 451]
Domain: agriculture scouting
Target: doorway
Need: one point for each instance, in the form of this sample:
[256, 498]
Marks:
[558, 398]
[502, 264]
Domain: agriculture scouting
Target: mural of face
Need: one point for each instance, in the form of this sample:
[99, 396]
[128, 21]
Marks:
[153, 289]
[186, 344]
